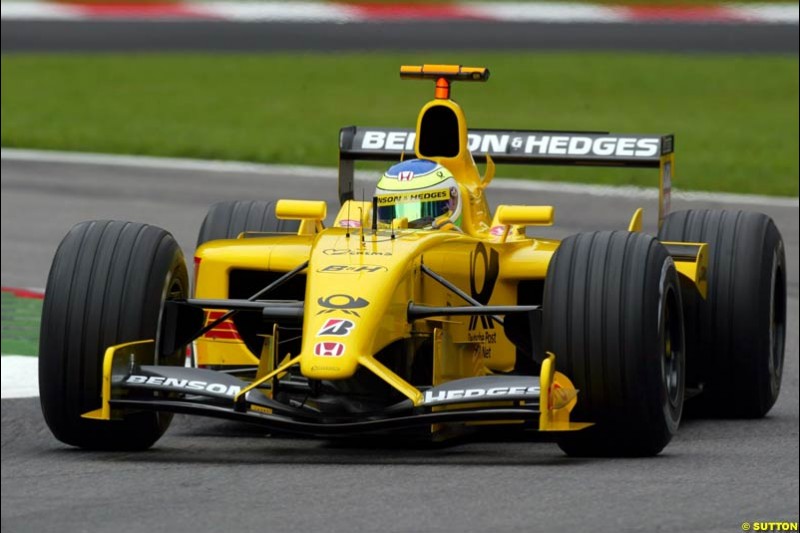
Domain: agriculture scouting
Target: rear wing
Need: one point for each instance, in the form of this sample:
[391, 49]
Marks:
[519, 147]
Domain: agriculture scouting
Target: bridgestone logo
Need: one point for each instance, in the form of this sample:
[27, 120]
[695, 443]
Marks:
[189, 385]
[539, 144]
[494, 393]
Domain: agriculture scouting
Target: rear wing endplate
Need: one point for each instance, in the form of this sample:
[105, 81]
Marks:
[521, 147]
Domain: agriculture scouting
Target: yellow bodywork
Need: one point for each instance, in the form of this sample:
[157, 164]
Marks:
[342, 262]
[359, 281]
[371, 284]
[369, 277]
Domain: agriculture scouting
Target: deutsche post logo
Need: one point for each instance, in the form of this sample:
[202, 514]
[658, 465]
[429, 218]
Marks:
[341, 302]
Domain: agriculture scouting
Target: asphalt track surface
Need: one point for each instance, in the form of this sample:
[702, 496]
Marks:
[207, 475]
[137, 36]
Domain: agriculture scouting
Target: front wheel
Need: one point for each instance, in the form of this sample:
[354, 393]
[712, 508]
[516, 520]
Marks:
[613, 318]
[107, 285]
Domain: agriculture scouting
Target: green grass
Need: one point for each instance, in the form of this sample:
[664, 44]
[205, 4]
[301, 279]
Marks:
[20, 325]
[735, 117]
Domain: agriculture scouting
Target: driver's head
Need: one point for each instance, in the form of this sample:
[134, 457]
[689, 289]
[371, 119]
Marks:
[421, 191]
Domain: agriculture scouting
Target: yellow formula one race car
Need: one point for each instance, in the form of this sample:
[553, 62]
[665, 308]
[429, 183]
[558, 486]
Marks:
[419, 311]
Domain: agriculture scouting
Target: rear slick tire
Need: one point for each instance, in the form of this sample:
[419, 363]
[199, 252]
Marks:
[107, 286]
[228, 220]
[613, 319]
[736, 336]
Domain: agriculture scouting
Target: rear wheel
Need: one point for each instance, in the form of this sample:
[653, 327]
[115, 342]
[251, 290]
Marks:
[228, 220]
[736, 336]
[107, 285]
[613, 319]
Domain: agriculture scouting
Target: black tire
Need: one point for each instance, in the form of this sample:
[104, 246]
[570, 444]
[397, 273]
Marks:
[227, 220]
[107, 285]
[613, 319]
[735, 337]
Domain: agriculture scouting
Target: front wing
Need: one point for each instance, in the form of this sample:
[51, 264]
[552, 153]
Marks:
[129, 386]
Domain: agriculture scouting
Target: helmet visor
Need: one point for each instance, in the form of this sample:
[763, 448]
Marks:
[420, 208]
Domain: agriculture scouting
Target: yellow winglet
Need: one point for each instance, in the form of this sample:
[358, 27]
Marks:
[635, 224]
[545, 381]
[104, 413]
[558, 397]
[395, 381]
[691, 262]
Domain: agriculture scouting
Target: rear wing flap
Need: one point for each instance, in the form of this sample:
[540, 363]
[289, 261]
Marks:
[520, 147]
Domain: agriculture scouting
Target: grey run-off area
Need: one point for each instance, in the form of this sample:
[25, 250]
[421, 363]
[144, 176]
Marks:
[159, 36]
[213, 476]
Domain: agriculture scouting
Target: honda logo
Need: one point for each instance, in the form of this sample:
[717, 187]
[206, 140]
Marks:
[405, 175]
[329, 349]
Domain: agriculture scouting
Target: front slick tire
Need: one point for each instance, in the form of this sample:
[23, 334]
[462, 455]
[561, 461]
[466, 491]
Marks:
[107, 286]
[613, 319]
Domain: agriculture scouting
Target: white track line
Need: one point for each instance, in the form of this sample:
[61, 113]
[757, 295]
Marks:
[170, 163]
[550, 12]
[20, 376]
[277, 11]
[337, 13]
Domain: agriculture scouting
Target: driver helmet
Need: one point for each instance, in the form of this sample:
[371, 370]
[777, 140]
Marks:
[421, 191]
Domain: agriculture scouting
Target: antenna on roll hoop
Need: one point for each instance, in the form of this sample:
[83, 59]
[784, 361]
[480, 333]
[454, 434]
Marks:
[349, 220]
[361, 226]
[374, 215]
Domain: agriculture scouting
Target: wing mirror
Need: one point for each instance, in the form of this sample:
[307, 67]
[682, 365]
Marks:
[311, 212]
[508, 216]
[525, 215]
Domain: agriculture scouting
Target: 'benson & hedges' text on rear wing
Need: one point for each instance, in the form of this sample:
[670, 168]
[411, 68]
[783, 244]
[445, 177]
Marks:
[522, 147]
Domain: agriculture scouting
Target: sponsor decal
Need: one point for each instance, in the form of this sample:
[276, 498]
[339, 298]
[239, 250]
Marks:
[666, 181]
[225, 330]
[487, 264]
[341, 302]
[348, 251]
[667, 147]
[329, 349]
[391, 140]
[405, 175]
[533, 144]
[336, 327]
[326, 368]
[424, 196]
[483, 340]
[566, 145]
[475, 394]
[349, 223]
[497, 231]
[189, 385]
[352, 269]
[559, 396]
